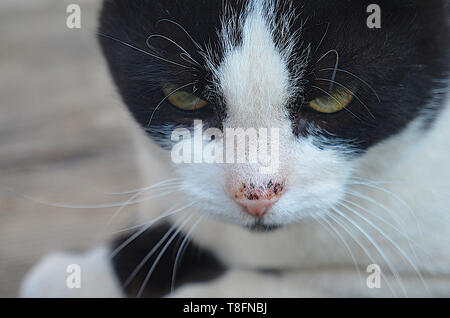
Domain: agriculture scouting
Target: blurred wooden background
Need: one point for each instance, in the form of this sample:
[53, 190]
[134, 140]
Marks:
[64, 135]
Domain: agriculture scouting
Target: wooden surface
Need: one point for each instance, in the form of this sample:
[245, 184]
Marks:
[64, 135]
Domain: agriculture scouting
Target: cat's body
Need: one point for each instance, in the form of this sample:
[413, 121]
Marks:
[370, 186]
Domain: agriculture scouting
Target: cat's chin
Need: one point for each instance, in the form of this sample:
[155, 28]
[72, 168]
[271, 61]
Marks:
[260, 226]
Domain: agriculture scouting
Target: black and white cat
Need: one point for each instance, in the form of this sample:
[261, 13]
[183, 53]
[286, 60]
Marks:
[363, 138]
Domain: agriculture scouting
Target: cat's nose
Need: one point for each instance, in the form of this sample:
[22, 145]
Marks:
[257, 200]
[256, 208]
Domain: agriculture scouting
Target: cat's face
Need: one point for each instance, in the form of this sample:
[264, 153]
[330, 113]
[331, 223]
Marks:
[325, 86]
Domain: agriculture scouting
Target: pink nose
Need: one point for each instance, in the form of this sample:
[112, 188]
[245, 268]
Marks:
[256, 208]
[257, 200]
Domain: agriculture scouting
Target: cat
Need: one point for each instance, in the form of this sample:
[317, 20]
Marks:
[358, 203]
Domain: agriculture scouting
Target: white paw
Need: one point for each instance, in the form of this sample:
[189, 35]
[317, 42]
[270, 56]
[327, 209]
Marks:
[72, 275]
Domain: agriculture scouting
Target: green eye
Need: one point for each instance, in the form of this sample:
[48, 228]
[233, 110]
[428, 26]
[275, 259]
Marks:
[332, 103]
[183, 100]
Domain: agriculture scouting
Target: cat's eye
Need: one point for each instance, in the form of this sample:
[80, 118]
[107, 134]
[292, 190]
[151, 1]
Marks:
[183, 100]
[333, 102]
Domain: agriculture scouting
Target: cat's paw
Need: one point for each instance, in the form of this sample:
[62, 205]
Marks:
[72, 275]
[246, 284]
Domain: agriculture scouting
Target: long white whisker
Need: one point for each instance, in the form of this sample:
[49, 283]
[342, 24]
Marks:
[399, 221]
[173, 181]
[119, 210]
[406, 256]
[333, 76]
[184, 30]
[170, 212]
[377, 247]
[390, 212]
[357, 77]
[161, 253]
[165, 98]
[405, 235]
[392, 194]
[173, 42]
[84, 206]
[363, 247]
[149, 254]
[133, 197]
[144, 52]
[323, 37]
[140, 232]
[189, 59]
[353, 94]
[336, 233]
[325, 92]
[180, 250]
[379, 218]
[360, 179]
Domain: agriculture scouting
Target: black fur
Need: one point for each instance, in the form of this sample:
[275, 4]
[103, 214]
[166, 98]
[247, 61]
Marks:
[195, 264]
[405, 62]
[400, 66]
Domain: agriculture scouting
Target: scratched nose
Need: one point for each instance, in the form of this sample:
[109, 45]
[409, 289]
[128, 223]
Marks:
[257, 200]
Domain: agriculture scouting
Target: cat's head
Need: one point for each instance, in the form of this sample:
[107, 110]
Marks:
[312, 81]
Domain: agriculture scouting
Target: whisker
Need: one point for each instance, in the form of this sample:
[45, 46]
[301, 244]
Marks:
[180, 251]
[161, 253]
[357, 77]
[81, 206]
[333, 76]
[174, 43]
[374, 226]
[377, 247]
[189, 59]
[336, 233]
[149, 254]
[411, 243]
[363, 247]
[184, 30]
[399, 221]
[360, 179]
[141, 231]
[132, 198]
[379, 218]
[353, 94]
[325, 92]
[172, 212]
[390, 213]
[323, 37]
[165, 98]
[395, 196]
[144, 52]
[173, 181]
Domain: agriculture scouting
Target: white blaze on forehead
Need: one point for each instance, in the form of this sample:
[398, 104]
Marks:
[254, 78]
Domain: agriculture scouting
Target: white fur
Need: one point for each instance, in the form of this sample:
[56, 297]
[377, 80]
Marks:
[49, 277]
